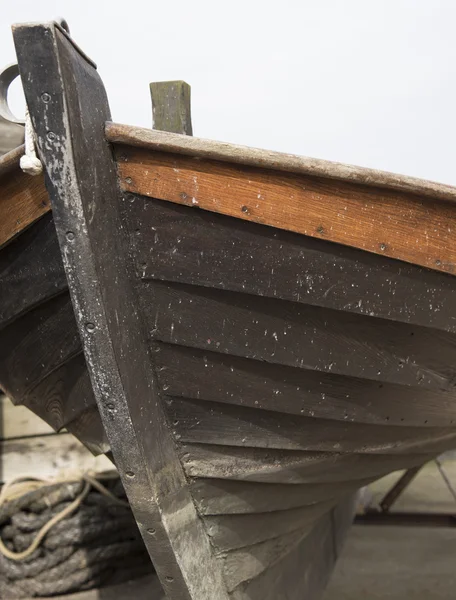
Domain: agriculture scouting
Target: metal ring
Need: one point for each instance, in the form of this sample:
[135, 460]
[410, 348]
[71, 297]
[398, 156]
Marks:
[7, 76]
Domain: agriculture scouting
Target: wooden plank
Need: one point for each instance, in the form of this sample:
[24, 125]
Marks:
[24, 199]
[31, 270]
[286, 467]
[102, 288]
[176, 243]
[290, 467]
[301, 573]
[19, 422]
[34, 345]
[300, 336]
[47, 456]
[204, 375]
[218, 497]
[171, 106]
[195, 421]
[63, 395]
[387, 222]
[228, 532]
[247, 563]
[277, 161]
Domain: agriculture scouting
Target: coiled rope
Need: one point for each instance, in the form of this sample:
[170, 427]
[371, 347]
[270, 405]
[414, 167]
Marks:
[11, 491]
[66, 535]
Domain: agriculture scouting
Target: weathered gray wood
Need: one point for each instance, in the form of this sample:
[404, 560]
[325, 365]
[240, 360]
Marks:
[195, 420]
[228, 532]
[247, 563]
[290, 467]
[218, 497]
[171, 106]
[304, 571]
[93, 245]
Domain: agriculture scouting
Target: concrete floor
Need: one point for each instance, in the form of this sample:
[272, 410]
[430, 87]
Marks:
[398, 563]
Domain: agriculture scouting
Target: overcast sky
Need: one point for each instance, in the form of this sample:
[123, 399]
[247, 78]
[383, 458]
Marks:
[370, 83]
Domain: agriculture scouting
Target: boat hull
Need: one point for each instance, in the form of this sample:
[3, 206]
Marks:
[249, 378]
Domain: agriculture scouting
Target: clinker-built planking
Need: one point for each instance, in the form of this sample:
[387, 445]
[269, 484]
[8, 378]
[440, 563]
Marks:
[250, 375]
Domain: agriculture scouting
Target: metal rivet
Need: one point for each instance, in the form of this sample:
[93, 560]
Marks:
[169, 579]
[382, 246]
[245, 209]
[45, 97]
[110, 406]
[151, 531]
[129, 473]
[438, 262]
[128, 180]
[90, 327]
[70, 236]
[51, 136]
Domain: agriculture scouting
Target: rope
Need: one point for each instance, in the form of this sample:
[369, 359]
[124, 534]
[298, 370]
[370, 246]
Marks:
[30, 163]
[22, 485]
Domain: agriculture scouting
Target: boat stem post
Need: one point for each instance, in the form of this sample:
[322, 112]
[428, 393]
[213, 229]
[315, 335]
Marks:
[69, 109]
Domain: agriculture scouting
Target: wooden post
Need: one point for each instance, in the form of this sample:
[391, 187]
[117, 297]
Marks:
[171, 106]
[68, 106]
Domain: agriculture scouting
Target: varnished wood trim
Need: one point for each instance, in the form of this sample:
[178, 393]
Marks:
[388, 222]
[23, 200]
[278, 161]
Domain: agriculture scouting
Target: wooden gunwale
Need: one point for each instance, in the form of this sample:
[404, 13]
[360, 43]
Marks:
[244, 155]
[395, 216]
[23, 200]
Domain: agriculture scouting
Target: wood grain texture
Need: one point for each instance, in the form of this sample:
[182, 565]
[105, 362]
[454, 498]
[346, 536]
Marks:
[33, 346]
[387, 222]
[207, 375]
[23, 200]
[194, 421]
[31, 270]
[277, 161]
[300, 336]
[303, 572]
[228, 532]
[174, 243]
[220, 497]
[248, 563]
[171, 106]
[291, 467]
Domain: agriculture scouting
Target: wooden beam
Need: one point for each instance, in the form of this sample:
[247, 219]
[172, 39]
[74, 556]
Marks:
[171, 106]
[398, 224]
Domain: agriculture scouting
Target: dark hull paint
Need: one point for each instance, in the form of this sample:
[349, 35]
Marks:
[281, 403]
[250, 380]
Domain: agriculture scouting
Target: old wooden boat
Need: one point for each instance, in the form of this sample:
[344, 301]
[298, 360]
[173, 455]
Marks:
[264, 333]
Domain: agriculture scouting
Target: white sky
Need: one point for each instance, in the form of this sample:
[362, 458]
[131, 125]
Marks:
[368, 82]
